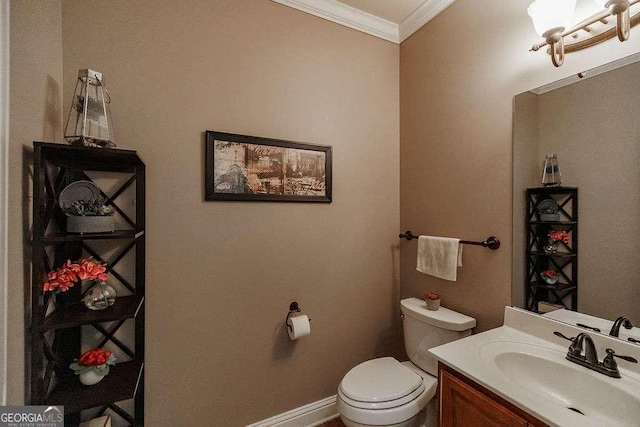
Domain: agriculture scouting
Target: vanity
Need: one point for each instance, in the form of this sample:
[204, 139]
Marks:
[518, 375]
[466, 403]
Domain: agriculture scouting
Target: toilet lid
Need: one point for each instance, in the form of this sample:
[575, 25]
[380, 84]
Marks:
[380, 380]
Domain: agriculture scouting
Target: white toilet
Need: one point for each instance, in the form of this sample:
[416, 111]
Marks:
[385, 392]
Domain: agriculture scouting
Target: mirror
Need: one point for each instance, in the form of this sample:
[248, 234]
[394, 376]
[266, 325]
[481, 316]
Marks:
[591, 121]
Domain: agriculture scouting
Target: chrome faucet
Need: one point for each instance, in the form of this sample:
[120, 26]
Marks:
[620, 321]
[584, 343]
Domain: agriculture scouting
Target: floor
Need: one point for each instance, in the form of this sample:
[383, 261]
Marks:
[333, 423]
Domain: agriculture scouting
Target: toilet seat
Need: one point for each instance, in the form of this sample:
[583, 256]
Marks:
[384, 392]
[381, 383]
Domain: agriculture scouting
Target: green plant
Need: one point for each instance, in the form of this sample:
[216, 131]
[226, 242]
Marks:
[93, 207]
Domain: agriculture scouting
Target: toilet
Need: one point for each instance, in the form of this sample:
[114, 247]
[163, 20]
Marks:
[386, 392]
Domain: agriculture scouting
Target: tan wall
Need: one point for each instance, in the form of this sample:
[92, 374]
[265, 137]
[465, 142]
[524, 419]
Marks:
[35, 114]
[458, 76]
[221, 275]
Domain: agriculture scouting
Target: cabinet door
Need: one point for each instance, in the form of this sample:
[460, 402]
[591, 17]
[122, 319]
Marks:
[463, 406]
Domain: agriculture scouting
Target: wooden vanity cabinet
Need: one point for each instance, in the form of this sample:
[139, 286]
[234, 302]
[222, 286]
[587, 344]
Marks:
[463, 403]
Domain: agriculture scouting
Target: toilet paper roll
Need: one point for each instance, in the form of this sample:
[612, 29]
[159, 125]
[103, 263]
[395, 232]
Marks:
[300, 327]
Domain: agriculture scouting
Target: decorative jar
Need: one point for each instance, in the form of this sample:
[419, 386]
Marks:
[100, 296]
[550, 248]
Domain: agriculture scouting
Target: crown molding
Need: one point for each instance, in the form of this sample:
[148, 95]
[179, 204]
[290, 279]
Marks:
[348, 16]
[425, 13]
[333, 10]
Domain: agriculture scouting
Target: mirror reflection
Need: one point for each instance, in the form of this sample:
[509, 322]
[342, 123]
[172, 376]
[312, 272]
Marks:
[592, 127]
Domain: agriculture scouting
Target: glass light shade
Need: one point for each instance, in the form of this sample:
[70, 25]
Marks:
[551, 15]
[89, 122]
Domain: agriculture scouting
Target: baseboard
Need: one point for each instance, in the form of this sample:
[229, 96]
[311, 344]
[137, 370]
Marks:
[309, 415]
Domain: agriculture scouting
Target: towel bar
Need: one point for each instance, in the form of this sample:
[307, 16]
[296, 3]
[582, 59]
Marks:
[492, 242]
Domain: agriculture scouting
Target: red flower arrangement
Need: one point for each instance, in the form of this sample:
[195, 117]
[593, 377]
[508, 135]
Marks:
[431, 296]
[97, 356]
[559, 236]
[97, 359]
[549, 273]
[67, 276]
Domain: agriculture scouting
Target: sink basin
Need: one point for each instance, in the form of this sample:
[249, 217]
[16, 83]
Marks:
[545, 373]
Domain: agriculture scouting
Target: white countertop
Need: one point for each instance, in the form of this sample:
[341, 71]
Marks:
[468, 357]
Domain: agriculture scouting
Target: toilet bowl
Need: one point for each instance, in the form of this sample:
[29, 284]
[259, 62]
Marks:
[386, 392]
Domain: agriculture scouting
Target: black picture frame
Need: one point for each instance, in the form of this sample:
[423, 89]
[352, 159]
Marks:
[251, 168]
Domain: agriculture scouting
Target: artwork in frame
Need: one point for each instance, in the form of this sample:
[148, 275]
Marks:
[251, 168]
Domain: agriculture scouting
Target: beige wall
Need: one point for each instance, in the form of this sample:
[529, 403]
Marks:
[34, 114]
[221, 275]
[458, 76]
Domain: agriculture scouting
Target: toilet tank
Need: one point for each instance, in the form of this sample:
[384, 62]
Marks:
[425, 329]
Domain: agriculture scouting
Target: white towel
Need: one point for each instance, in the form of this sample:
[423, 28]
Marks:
[439, 256]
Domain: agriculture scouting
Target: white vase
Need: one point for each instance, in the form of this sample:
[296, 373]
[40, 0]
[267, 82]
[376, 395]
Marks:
[90, 377]
[433, 304]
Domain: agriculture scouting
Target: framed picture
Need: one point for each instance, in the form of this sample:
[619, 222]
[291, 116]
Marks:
[250, 168]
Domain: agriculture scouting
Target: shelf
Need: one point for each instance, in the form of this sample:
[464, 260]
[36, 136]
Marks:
[78, 314]
[566, 257]
[59, 337]
[54, 238]
[120, 384]
[553, 190]
[89, 158]
[535, 222]
[556, 287]
[555, 255]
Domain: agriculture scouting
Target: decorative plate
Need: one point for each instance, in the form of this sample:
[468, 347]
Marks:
[78, 190]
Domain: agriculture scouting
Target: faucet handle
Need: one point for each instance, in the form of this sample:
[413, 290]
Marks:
[561, 335]
[576, 342]
[609, 361]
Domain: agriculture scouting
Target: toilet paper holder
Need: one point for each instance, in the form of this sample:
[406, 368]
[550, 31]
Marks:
[293, 308]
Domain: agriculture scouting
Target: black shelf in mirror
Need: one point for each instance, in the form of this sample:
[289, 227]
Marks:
[564, 262]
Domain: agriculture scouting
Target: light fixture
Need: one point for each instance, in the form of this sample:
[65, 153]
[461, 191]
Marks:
[89, 123]
[620, 8]
[551, 19]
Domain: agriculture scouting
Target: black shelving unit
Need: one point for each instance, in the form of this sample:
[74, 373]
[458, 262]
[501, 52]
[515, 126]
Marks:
[564, 261]
[56, 335]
